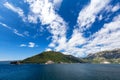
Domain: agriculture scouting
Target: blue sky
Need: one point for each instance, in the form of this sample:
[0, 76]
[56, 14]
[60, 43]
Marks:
[76, 27]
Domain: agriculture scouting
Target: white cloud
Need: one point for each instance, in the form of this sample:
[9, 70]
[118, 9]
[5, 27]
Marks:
[4, 25]
[52, 44]
[108, 8]
[72, 45]
[44, 10]
[17, 33]
[48, 49]
[23, 45]
[26, 33]
[106, 38]
[76, 39]
[58, 30]
[86, 18]
[30, 45]
[116, 7]
[17, 10]
[77, 45]
[88, 14]
[32, 18]
[100, 17]
[111, 8]
[57, 3]
[41, 9]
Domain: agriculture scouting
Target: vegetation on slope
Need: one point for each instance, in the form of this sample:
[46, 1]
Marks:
[56, 57]
[112, 56]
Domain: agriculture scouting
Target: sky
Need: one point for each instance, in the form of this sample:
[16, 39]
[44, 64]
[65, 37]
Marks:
[74, 27]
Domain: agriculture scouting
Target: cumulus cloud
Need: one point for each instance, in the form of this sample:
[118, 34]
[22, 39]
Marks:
[88, 14]
[23, 45]
[30, 45]
[73, 44]
[77, 45]
[105, 39]
[15, 9]
[41, 9]
[108, 37]
[86, 18]
[44, 10]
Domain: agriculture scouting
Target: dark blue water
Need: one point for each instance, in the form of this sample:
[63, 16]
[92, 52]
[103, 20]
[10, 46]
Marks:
[59, 72]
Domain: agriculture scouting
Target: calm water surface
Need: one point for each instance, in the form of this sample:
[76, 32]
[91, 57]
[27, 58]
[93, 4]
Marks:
[60, 72]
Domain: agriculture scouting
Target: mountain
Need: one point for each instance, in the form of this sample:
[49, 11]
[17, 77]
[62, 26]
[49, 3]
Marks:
[112, 56]
[50, 57]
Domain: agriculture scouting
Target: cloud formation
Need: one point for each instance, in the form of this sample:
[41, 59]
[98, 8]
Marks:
[15, 31]
[108, 37]
[105, 39]
[112, 8]
[88, 14]
[17, 10]
[30, 45]
[44, 10]
[23, 45]
[77, 45]
[4, 25]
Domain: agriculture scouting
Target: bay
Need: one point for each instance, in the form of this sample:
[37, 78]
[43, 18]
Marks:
[60, 72]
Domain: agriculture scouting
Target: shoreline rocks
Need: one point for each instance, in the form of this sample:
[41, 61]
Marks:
[15, 62]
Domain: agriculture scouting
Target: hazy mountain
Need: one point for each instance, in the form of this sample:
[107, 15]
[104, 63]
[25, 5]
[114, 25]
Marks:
[110, 56]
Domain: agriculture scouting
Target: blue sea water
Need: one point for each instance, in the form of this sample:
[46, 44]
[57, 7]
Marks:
[60, 72]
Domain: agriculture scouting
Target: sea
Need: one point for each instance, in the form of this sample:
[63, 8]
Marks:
[59, 72]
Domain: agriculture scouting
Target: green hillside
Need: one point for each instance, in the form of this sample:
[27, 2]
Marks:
[54, 57]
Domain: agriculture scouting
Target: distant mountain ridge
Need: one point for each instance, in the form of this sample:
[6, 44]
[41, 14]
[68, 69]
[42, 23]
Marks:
[50, 57]
[109, 56]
